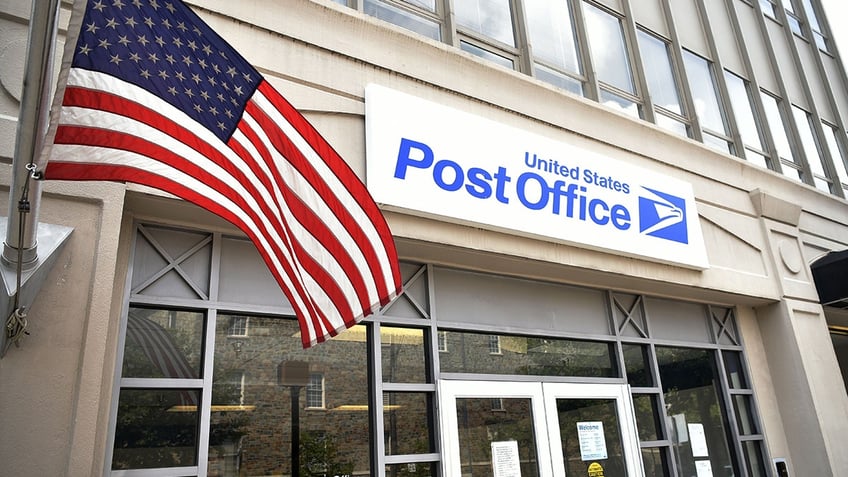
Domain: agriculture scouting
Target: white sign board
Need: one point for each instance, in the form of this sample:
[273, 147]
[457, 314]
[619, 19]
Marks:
[427, 159]
[593, 446]
[699, 440]
[505, 460]
[703, 468]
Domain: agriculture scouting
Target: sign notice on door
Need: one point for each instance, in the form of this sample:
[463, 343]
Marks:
[593, 446]
[505, 460]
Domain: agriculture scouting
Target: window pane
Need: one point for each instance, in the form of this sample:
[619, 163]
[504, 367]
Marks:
[655, 461]
[756, 158]
[425, 4]
[734, 370]
[717, 143]
[636, 364]
[811, 150]
[609, 53]
[405, 423]
[754, 458]
[647, 417]
[402, 18]
[777, 126]
[768, 7]
[659, 72]
[156, 428]
[403, 355]
[673, 125]
[558, 79]
[521, 355]
[486, 54]
[601, 415]
[412, 469]
[618, 103]
[163, 344]
[479, 426]
[489, 17]
[689, 378]
[744, 415]
[319, 395]
[701, 82]
[740, 99]
[551, 30]
[830, 133]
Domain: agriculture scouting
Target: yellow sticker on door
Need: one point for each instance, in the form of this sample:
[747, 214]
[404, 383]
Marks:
[595, 470]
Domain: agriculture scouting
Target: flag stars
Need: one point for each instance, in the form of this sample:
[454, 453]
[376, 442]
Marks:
[98, 6]
[197, 108]
[119, 4]
[228, 114]
[160, 41]
[204, 95]
[172, 90]
[212, 80]
[154, 4]
[170, 7]
[247, 77]
[221, 98]
[135, 57]
[85, 50]
[92, 27]
[130, 22]
[149, 22]
[153, 57]
[166, 23]
[143, 40]
[238, 90]
[207, 49]
[181, 27]
[213, 110]
[112, 23]
[104, 43]
[163, 74]
[196, 78]
[192, 44]
[189, 93]
[231, 71]
[221, 126]
[216, 68]
[197, 31]
[115, 59]
[180, 76]
[202, 63]
[170, 59]
[123, 40]
[136, 3]
[187, 60]
[145, 74]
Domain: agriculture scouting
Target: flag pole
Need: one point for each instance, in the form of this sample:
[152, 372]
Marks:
[20, 247]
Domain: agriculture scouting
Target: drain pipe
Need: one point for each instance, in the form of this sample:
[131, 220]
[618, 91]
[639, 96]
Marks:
[22, 249]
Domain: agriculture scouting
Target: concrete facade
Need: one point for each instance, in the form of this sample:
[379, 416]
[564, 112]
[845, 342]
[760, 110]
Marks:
[762, 230]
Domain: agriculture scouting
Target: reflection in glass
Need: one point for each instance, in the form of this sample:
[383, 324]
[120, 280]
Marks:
[619, 103]
[659, 72]
[636, 365]
[156, 428]
[525, 355]
[805, 129]
[672, 125]
[261, 397]
[405, 423]
[702, 84]
[777, 126]
[412, 469]
[403, 18]
[489, 17]
[486, 54]
[689, 382]
[403, 355]
[744, 415]
[552, 36]
[647, 417]
[558, 79]
[655, 462]
[480, 426]
[582, 421]
[741, 101]
[163, 344]
[830, 135]
[609, 52]
[734, 370]
[754, 458]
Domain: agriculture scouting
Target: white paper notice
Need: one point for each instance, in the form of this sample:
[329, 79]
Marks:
[699, 440]
[505, 461]
[703, 468]
[592, 443]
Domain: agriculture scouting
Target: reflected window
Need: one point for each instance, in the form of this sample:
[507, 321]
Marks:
[238, 326]
[443, 341]
[550, 25]
[163, 344]
[315, 391]
[494, 344]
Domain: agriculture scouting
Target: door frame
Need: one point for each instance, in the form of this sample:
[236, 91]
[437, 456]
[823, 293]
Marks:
[546, 428]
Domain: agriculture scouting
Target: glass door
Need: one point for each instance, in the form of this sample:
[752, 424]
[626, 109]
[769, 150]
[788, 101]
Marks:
[527, 429]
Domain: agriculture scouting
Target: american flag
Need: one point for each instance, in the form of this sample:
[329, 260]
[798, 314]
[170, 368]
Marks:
[153, 96]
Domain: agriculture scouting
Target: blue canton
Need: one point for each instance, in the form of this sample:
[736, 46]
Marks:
[165, 48]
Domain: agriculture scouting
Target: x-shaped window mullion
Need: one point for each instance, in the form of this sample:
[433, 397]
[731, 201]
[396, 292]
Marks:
[628, 315]
[173, 263]
[412, 301]
[724, 326]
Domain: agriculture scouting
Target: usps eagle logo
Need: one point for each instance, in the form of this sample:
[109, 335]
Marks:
[663, 216]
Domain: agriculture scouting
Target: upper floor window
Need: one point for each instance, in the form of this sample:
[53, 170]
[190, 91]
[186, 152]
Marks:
[315, 391]
[768, 8]
[662, 83]
[749, 129]
[611, 60]
[815, 159]
[779, 128]
[818, 31]
[554, 43]
[406, 15]
[443, 341]
[708, 106]
[238, 326]
[494, 344]
[831, 135]
[792, 17]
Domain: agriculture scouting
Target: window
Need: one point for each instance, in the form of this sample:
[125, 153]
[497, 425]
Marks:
[554, 42]
[768, 8]
[780, 134]
[811, 148]
[740, 99]
[708, 106]
[818, 31]
[662, 84]
[792, 17]
[315, 391]
[831, 135]
[497, 404]
[443, 341]
[238, 326]
[494, 344]
[402, 14]
[611, 60]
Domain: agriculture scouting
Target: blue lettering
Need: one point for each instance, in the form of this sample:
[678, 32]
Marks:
[522, 188]
[405, 157]
[479, 183]
[438, 175]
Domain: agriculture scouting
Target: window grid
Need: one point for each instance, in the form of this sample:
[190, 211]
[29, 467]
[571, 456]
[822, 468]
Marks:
[562, 57]
[315, 391]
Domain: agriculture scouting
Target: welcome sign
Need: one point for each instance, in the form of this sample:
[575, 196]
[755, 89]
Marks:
[427, 159]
